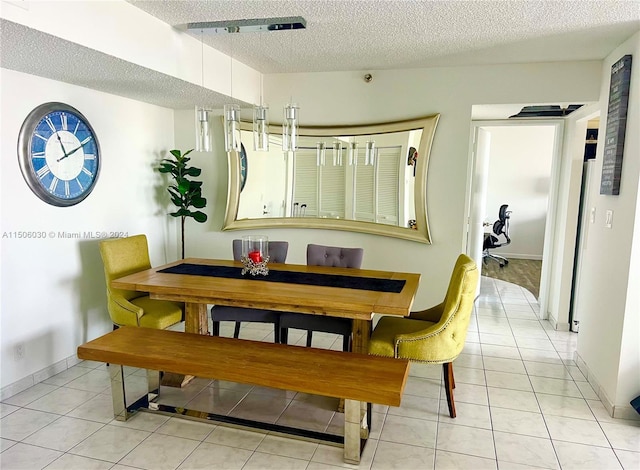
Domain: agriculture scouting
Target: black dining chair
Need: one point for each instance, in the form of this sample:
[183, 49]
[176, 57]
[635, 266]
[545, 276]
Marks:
[320, 255]
[277, 254]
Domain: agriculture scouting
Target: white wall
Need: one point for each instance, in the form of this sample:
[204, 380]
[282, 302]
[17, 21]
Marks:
[53, 289]
[520, 175]
[609, 306]
[344, 98]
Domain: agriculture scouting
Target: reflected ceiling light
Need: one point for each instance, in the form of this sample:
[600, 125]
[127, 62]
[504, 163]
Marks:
[320, 153]
[337, 153]
[353, 153]
[370, 153]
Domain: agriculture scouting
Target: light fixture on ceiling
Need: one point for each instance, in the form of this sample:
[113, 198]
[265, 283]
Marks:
[203, 131]
[290, 128]
[260, 113]
[232, 127]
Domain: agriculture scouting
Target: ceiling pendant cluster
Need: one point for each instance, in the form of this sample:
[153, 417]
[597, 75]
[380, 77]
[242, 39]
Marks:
[260, 111]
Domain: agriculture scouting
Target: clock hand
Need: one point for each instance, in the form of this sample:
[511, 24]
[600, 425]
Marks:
[61, 145]
[74, 150]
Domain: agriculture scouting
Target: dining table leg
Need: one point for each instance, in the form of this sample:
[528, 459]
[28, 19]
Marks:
[196, 319]
[361, 331]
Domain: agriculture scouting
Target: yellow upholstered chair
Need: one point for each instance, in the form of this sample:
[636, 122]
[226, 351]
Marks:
[435, 335]
[124, 256]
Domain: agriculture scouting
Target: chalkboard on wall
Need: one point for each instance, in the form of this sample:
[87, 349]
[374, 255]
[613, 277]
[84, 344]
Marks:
[616, 126]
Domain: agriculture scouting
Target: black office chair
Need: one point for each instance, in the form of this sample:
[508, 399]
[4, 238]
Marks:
[277, 254]
[320, 255]
[499, 237]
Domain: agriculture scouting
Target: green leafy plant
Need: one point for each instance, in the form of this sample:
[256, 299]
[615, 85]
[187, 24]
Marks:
[185, 193]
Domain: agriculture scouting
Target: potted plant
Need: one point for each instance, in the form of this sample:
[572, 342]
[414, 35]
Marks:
[185, 193]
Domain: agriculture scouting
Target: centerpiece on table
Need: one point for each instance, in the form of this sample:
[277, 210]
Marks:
[255, 255]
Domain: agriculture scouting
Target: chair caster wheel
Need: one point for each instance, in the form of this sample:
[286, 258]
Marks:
[506, 262]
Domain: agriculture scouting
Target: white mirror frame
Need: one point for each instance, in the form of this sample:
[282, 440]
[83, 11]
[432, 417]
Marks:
[420, 234]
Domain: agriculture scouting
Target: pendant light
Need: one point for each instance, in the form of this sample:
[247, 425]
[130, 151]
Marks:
[261, 125]
[320, 153]
[231, 117]
[232, 127]
[203, 130]
[369, 153]
[353, 152]
[290, 128]
[337, 153]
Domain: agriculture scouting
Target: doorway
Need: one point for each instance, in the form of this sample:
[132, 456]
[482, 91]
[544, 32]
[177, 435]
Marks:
[520, 164]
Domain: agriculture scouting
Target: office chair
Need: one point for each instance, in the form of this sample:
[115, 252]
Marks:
[436, 335]
[277, 254]
[492, 240]
[319, 255]
[124, 256]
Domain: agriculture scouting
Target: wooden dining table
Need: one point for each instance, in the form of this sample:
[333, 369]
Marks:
[199, 291]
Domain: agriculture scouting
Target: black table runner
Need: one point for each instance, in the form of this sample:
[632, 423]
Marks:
[292, 277]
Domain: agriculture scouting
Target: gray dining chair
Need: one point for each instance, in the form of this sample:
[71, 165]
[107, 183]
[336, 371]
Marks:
[320, 255]
[277, 254]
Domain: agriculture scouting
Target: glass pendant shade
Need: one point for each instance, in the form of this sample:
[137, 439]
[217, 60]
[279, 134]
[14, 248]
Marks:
[203, 130]
[232, 127]
[370, 152]
[353, 153]
[320, 153]
[290, 128]
[337, 153]
[260, 129]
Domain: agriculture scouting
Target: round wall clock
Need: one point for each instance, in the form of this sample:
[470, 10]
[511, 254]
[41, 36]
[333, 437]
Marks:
[243, 166]
[59, 154]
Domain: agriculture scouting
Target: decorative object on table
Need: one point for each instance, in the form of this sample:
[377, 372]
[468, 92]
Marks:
[435, 335]
[59, 154]
[185, 193]
[255, 255]
[277, 254]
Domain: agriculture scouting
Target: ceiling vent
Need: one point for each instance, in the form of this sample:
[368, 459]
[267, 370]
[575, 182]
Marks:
[546, 111]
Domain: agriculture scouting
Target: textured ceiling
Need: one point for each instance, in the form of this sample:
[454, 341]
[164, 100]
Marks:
[396, 34]
[341, 35]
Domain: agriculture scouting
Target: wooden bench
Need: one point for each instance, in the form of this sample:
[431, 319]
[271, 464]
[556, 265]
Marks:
[358, 379]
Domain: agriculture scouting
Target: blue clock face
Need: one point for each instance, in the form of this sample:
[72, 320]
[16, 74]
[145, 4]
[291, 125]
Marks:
[59, 154]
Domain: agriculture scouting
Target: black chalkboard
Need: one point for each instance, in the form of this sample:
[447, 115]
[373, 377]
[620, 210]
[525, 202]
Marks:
[616, 126]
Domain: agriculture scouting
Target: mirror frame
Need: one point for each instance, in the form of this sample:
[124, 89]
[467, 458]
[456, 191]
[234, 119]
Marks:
[421, 234]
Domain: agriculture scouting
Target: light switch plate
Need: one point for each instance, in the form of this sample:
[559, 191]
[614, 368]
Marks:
[592, 216]
[608, 221]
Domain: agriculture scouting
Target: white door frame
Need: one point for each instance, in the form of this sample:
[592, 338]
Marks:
[548, 249]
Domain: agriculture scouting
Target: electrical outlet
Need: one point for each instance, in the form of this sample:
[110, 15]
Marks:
[19, 351]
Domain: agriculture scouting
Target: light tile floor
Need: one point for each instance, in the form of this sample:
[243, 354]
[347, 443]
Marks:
[521, 401]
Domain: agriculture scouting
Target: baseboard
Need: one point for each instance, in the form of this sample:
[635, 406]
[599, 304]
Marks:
[37, 377]
[517, 255]
[625, 411]
[556, 325]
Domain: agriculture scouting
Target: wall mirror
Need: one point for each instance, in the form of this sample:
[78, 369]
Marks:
[363, 178]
